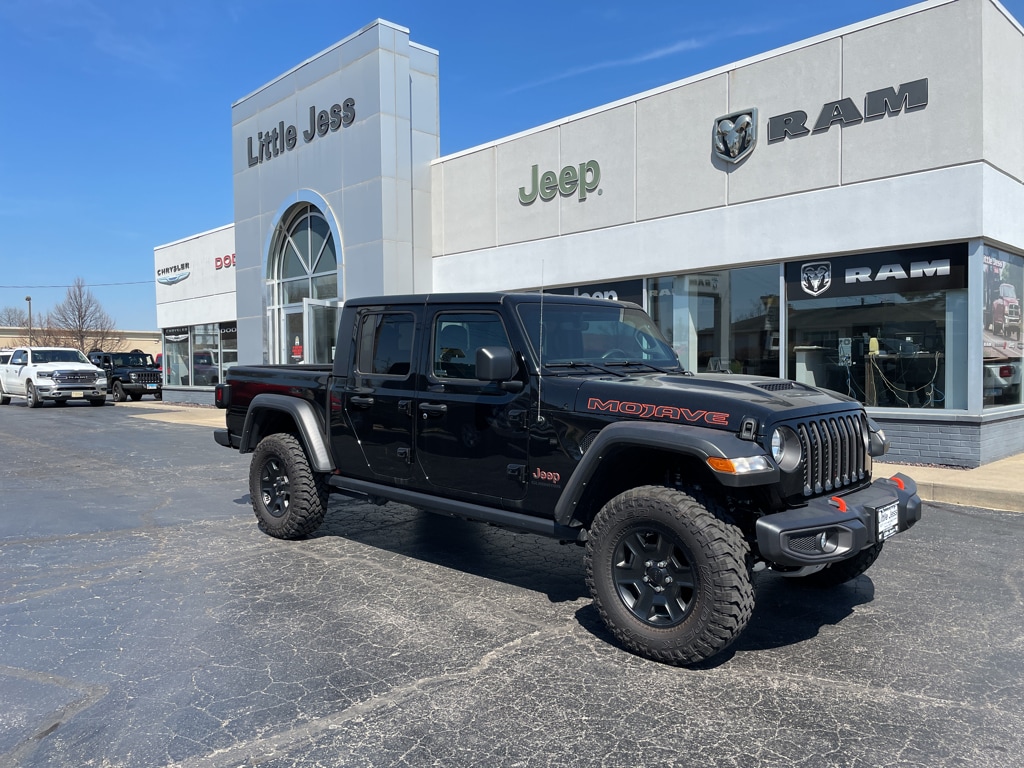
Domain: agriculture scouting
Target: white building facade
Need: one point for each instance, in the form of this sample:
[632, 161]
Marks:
[845, 211]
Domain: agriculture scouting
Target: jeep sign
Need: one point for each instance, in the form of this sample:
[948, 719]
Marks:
[572, 179]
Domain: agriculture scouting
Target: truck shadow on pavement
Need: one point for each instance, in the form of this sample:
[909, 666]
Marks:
[522, 560]
[786, 612]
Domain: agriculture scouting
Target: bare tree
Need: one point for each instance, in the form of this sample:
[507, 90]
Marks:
[79, 321]
[13, 317]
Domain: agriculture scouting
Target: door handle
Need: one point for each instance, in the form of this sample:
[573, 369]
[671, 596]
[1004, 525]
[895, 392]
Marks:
[361, 401]
[433, 409]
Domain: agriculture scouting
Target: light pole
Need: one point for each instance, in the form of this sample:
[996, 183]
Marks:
[29, 300]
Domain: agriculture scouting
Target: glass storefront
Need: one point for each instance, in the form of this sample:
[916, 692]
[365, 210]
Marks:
[198, 355]
[1003, 277]
[725, 321]
[888, 329]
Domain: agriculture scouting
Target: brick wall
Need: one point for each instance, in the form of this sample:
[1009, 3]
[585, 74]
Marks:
[963, 442]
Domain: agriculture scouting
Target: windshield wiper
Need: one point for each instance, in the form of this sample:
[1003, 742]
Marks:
[580, 364]
[631, 363]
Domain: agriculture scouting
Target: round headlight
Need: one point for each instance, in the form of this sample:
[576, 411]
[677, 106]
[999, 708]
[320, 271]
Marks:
[785, 447]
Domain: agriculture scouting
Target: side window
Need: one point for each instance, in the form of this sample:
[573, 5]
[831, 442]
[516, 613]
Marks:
[458, 335]
[385, 344]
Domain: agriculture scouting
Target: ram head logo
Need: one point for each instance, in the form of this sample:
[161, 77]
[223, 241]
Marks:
[816, 277]
[735, 135]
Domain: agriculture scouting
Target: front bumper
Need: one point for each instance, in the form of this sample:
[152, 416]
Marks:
[67, 391]
[834, 528]
[140, 388]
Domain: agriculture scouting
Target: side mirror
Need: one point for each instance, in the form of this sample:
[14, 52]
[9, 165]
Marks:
[497, 364]
[878, 443]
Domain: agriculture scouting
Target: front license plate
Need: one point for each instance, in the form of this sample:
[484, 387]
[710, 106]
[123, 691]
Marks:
[151, 386]
[76, 394]
[888, 521]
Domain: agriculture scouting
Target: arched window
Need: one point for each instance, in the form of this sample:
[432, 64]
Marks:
[305, 264]
[302, 287]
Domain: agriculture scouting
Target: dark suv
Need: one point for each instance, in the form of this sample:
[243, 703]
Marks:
[129, 374]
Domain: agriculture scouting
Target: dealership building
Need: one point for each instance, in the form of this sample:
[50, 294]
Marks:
[847, 211]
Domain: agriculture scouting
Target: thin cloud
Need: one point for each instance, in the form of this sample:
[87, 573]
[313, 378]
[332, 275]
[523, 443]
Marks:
[53, 22]
[683, 46]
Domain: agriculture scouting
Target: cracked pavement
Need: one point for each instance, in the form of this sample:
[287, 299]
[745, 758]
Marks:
[145, 621]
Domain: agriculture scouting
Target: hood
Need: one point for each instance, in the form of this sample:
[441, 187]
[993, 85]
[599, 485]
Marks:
[68, 367]
[715, 400]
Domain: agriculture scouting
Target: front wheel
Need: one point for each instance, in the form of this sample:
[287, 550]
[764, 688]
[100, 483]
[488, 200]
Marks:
[288, 497]
[31, 396]
[835, 574]
[119, 394]
[668, 575]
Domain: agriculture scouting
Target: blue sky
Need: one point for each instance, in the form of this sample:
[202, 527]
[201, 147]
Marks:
[115, 115]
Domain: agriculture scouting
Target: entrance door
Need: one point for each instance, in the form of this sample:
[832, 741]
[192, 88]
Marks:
[293, 336]
[321, 328]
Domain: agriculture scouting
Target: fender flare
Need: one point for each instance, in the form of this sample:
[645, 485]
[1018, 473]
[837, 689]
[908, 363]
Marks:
[311, 432]
[700, 443]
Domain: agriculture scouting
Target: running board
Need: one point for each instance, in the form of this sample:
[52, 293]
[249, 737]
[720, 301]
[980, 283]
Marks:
[502, 518]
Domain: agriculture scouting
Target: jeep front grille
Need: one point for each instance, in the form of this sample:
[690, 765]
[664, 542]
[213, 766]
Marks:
[74, 377]
[147, 377]
[835, 452]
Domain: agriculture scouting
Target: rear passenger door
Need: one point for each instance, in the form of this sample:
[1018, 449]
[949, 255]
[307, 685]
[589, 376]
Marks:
[379, 397]
[471, 437]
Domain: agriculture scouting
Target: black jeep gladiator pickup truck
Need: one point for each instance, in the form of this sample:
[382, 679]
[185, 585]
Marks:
[572, 418]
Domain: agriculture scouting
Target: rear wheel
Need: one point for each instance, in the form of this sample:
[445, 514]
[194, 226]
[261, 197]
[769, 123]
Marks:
[288, 497]
[97, 401]
[835, 574]
[136, 396]
[668, 575]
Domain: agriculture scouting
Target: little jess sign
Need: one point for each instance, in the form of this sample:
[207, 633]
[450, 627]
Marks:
[267, 145]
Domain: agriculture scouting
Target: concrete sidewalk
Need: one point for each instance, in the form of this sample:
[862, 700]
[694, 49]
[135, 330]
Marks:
[999, 485]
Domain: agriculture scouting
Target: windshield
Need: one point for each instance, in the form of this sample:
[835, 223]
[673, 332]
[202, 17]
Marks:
[59, 356]
[582, 333]
[132, 360]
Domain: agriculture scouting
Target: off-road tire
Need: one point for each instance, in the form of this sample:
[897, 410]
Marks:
[158, 395]
[119, 394]
[136, 396]
[835, 574]
[31, 396]
[288, 497]
[651, 537]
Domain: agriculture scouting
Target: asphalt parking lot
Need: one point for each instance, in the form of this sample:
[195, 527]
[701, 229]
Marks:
[145, 621]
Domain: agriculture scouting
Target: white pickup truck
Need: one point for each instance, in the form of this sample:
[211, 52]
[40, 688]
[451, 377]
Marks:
[51, 373]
